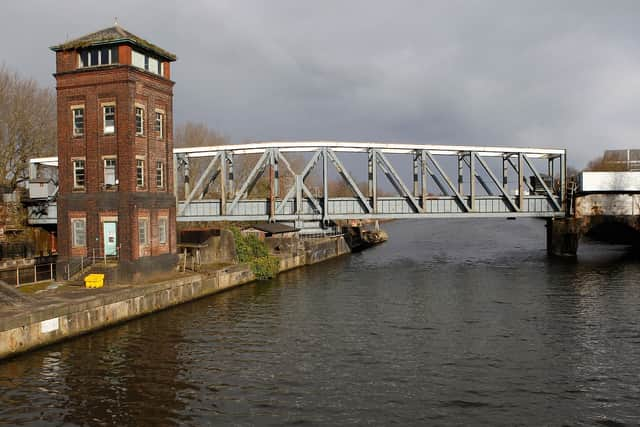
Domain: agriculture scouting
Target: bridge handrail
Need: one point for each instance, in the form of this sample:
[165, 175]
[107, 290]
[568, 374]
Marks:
[355, 147]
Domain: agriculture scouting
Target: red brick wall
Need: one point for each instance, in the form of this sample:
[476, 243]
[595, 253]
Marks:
[125, 86]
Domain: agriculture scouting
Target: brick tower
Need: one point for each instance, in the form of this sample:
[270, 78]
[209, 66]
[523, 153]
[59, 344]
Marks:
[115, 152]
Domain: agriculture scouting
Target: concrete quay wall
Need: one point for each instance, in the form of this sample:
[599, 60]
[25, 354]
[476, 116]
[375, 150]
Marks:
[40, 326]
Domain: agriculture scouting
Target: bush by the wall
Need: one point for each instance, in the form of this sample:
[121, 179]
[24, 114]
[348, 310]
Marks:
[253, 251]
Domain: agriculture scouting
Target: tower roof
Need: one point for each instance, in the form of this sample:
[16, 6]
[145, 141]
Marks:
[112, 35]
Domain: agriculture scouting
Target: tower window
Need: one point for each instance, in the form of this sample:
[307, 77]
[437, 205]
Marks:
[78, 174]
[93, 57]
[109, 115]
[109, 171]
[159, 174]
[79, 230]
[162, 230]
[159, 127]
[140, 172]
[143, 235]
[146, 62]
[139, 121]
[78, 121]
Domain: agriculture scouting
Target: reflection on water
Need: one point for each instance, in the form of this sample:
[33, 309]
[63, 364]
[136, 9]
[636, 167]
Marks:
[450, 322]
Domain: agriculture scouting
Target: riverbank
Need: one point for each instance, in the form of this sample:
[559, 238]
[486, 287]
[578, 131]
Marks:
[70, 311]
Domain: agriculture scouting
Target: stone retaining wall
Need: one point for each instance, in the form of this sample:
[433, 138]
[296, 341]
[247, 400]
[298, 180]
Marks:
[22, 332]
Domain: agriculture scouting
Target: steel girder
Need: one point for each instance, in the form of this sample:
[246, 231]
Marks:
[435, 190]
[436, 181]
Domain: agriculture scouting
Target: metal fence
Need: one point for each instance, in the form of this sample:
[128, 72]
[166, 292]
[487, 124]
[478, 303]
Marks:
[24, 275]
[79, 265]
[320, 235]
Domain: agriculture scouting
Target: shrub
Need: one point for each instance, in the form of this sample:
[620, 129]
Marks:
[253, 251]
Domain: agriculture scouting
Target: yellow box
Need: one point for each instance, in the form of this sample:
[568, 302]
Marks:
[94, 281]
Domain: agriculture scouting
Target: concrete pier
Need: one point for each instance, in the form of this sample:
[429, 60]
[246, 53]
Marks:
[78, 311]
[563, 235]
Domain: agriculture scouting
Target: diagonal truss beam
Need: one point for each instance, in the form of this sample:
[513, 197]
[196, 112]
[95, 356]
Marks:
[251, 180]
[393, 176]
[349, 180]
[539, 178]
[476, 175]
[515, 168]
[195, 189]
[213, 178]
[305, 172]
[513, 206]
[448, 181]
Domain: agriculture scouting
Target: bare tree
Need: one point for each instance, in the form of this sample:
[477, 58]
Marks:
[612, 161]
[27, 125]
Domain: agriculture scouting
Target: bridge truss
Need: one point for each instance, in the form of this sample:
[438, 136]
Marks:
[293, 182]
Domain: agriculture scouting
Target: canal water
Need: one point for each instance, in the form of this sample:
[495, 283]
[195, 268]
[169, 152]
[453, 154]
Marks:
[449, 323]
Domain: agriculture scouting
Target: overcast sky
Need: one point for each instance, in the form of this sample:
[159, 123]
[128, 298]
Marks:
[559, 74]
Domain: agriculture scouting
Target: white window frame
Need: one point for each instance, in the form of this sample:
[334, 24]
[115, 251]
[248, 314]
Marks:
[140, 172]
[160, 174]
[74, 164]
[110, 57]
[112, 129]
[141, 112]
[74, 241]
[143, 231]
[75, 109]
[106, 167]
[163, 227]
[145, 62]
[159, 124]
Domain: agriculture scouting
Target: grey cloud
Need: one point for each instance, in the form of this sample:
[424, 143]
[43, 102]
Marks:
[538, 73]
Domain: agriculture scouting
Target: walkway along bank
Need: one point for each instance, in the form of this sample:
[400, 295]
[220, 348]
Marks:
[39, 322]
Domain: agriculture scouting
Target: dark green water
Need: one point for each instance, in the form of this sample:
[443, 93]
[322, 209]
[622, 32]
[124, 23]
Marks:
[449, 323]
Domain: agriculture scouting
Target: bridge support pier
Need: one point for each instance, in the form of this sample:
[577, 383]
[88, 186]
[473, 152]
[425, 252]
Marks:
[563, 235]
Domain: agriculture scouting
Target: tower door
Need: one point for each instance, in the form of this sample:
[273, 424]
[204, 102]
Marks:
[109, 238]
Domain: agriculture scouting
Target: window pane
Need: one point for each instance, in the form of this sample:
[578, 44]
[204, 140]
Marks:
[159, 125]
[78, 121]
[140, 173]
[162, 230]
[137, 59]
[84, 58]
[78, 173]
[104, 56]
[159, 174]
[114, 55]
[110, 171]
[109, 119]
[94, 57]
[142, 231]
[153, 65]
[79, 232]
[139, 121]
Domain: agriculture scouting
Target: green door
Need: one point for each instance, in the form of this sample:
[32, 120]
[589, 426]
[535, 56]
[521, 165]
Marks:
[110, 239]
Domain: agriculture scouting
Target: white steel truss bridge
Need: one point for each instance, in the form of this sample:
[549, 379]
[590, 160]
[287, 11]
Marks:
[306, 182]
